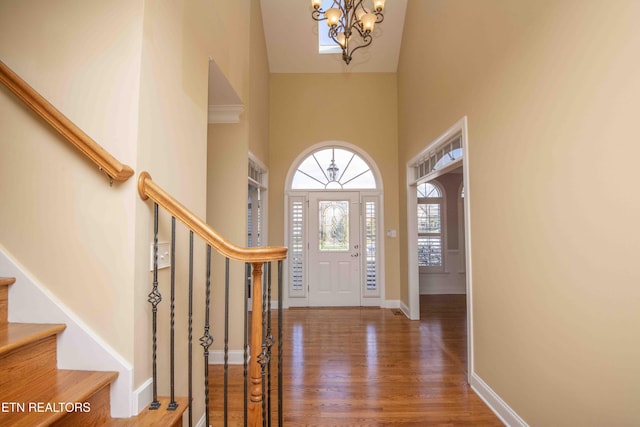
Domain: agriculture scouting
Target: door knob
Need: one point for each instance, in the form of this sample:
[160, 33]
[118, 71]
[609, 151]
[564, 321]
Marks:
[355, 255]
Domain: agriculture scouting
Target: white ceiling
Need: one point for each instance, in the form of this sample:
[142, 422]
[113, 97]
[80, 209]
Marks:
[292, 40]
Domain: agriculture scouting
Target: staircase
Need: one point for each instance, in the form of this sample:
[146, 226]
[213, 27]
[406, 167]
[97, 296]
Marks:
[33, 392]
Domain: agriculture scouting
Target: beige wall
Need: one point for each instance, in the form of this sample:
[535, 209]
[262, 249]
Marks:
[59, 217]
[227, 211]
[551, 92]
[307, 109]
[258, 109]
[227, 160]
[172, 146]
[227, 28]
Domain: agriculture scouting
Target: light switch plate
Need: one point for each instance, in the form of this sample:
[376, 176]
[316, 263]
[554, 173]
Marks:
[164, 256]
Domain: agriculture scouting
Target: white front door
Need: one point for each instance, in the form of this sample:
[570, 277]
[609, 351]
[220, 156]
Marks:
[334, 249]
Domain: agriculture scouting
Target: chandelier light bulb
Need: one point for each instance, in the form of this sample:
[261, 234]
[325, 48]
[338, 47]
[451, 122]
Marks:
[333, 16]
[342, 40]
[368, 21]
[316, 3]
[378, 5]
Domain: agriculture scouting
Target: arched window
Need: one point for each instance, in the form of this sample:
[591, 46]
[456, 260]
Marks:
[430, 227]
[333, 169]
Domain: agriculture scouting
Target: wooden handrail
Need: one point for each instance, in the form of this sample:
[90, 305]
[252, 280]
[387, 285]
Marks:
[110, 165]
[150, 190]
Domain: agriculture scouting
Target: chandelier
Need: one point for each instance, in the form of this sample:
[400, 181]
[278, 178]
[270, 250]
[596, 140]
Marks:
[350, 23]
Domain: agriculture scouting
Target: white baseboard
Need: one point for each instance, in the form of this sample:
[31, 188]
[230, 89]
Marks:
[390, 303]
[201, 422]
[78, 346]
[371, 302]
[405, 310]
[142, 397]
[216, 357]
[274, 304]
[507, 415]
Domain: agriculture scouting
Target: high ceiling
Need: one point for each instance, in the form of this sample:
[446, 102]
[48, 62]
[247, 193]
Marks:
[292, 40]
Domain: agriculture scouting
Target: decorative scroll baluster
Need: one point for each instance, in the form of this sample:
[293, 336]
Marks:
[280, 376]
[206, 340]
[154, 299]
[268, 340]
[173, 405]
[226, 342]
[255, 398]
[190, 333]
[246, 340]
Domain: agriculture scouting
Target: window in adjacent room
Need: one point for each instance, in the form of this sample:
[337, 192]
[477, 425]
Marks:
[430, 228]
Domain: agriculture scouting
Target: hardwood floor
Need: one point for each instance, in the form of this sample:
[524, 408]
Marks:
[373, 367]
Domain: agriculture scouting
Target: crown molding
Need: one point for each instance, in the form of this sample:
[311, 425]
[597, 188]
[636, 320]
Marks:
[225, 113]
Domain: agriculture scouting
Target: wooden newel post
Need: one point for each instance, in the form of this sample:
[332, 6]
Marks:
[255, 386]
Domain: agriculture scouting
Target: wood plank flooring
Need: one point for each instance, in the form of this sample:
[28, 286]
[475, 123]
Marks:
[371, 367]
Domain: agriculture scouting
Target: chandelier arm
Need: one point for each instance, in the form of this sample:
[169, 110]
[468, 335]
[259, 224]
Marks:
[367, 41]
[339, 5]
[363, 34]
[379, 17]
[318, 15]
[333, 32]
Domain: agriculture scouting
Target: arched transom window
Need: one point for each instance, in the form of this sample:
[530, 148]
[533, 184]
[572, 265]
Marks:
[333, 169]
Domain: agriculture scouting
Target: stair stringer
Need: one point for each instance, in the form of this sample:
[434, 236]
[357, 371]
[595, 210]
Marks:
[79, 347]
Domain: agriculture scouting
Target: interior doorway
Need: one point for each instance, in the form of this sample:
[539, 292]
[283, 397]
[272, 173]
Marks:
[444, 160]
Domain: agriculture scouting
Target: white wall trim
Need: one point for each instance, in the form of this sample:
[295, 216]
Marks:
[467, 246]
[225, 113]
[390, 303]
[201, 421]
[507, 415]
[142, 397]
[216, 357]
[405, 309]
[78, 346]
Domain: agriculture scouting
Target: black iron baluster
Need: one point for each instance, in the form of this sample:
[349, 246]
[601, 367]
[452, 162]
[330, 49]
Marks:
[280, 376]
[173, 405]
[246, 340]
[269, 341]
[226, 342]
[154, 299]
[190, 367]
[206, 340]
